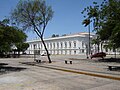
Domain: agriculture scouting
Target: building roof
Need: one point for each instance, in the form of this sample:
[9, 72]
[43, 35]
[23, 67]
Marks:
[82, 34]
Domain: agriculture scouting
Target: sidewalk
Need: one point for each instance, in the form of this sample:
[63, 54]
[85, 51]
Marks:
[82, 74]
[85, 66]
[78, 65]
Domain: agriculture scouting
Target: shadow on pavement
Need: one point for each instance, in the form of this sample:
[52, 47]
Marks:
[1, 64]
[110, 60]
[6, 69]
[116, 69]
[34, 63]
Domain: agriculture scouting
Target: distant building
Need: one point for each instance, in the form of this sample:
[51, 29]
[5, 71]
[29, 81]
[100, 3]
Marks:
[73, 44]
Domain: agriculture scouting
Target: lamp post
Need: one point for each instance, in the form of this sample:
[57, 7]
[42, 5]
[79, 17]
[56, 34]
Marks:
[87, 51]
[89, 46]
[34, 51]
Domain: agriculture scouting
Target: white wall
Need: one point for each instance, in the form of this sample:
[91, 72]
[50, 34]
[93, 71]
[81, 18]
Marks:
[70, 45]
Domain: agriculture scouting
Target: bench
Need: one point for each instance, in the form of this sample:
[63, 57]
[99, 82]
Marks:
[38, 61]
[66, 62]
[111, 67]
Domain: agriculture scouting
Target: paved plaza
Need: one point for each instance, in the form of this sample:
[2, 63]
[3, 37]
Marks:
[25, 74]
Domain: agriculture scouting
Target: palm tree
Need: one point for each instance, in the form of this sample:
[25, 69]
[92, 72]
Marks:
[86, 22]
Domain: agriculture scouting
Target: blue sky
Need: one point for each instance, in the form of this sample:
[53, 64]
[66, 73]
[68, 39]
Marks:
[67, 16]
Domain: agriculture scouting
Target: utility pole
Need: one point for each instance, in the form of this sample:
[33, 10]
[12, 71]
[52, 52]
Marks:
[89, 46]
[34, 51]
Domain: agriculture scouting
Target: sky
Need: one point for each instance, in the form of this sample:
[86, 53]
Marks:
[67, 18]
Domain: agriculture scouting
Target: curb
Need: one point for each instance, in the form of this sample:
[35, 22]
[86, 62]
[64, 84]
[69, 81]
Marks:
[79, 72]
[85, 73]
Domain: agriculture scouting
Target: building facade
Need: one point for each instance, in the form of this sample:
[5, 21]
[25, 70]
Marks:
[74, 44]
[68, 45]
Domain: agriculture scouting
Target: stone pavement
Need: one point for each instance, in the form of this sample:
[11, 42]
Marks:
[85, 66]
[58, 75]
[81, 64]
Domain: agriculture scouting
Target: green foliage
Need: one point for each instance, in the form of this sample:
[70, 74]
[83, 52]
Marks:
[55, 35]
[111, 13]
[8, 36]
[64, 35]
[106, 20]
[22, 46]
[95, 41]
[33, 15]
[5, 21]
[92, 13]
[86, 22]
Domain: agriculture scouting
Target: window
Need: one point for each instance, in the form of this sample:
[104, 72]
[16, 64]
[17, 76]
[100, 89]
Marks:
[34, 45]
[61, 45]
[74, 43]
[53, 45]
[65, 52]
[70, 44]
[82, 50]
[41, 46]
[75, 52]
[50, 45]
[70, 52]
[61, 51]
[82, 45]
[47, 45]
[57, 45]
[57, 52]
[65, 44]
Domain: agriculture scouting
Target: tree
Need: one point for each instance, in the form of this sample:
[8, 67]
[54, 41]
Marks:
[33, 14]
[55, 35]
[93, 14]
[21, 47]
[111, 23]
[9, 36]
[106, 23]
[86, 22]
[96, 42]
[64, 35]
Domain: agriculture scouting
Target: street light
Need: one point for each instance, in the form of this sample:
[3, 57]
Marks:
[87, 51]
[89, 40]
[87, 23]
[34, 51]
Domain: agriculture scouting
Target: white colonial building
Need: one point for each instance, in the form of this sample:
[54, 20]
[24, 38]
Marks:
[74, 44]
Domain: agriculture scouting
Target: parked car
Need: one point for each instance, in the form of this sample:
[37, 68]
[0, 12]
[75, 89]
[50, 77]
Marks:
[44, 54]
[100, 54]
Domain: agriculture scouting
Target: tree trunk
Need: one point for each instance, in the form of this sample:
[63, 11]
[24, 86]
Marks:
[98, 47]
[48, 55]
